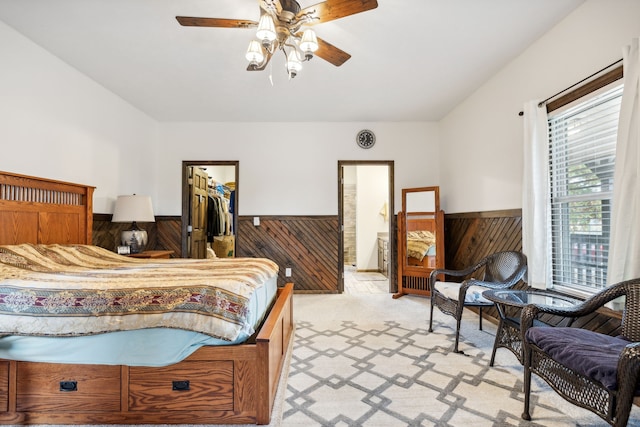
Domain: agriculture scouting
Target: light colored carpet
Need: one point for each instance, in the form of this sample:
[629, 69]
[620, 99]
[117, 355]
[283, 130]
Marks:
[369, 276]
[368, 360]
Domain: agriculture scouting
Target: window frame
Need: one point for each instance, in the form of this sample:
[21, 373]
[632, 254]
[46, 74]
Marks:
[613, 76]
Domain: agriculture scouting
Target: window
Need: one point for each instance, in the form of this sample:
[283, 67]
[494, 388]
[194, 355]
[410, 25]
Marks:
[582, 146]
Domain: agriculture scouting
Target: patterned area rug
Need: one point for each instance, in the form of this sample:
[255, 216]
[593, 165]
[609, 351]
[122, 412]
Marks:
[374, 372]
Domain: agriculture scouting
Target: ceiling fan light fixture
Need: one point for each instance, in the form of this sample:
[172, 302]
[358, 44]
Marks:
[294, 64]
[266, 30]
[283, 25]
[309, 43]
[254, 54]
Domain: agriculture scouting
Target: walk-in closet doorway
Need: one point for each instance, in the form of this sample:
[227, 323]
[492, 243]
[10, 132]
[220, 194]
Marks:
[195, 237]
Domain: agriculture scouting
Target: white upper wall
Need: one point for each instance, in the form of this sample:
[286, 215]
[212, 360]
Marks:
[59, 124]
[292, 168]
[481, 140]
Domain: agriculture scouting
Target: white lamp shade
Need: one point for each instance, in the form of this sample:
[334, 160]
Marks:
[309, 41]
[293, 62]
[133, 208]
[254, 53]
[266, 28]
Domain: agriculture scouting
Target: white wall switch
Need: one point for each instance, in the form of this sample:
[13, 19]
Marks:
[287, 272]
[256, 221]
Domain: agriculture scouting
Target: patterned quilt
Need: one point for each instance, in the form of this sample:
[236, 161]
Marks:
[70, 290]
[419, 243]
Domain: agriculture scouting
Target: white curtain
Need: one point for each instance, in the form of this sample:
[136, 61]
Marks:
[535, 194]
[624, 246]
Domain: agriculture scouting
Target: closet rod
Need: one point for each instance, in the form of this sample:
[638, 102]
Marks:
[541, 103]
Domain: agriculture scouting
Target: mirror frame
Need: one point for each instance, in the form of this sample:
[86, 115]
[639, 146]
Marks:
[435, 190]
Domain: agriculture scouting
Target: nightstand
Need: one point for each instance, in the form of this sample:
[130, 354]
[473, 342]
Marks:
[152, 254]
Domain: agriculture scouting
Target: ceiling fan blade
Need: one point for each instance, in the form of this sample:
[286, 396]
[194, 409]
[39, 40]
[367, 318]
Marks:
[330, 53]
[264, 65]
[188, 21]
[335, 9]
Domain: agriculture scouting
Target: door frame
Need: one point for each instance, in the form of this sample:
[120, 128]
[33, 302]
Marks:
[185, 196]
[392, 253]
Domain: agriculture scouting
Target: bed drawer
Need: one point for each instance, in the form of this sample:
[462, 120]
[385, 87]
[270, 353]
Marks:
[57, 387]
[196, 385]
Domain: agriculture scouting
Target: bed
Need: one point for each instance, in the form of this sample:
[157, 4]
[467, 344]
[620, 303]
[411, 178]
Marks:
[200, 373]
[421, 246]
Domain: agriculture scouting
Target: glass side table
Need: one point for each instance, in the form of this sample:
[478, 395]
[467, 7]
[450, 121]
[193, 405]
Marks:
[509, 303]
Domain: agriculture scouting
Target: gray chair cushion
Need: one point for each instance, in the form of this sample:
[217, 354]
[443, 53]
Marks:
[473, 295]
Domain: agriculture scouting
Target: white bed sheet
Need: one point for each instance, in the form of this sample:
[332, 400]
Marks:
[142, 347]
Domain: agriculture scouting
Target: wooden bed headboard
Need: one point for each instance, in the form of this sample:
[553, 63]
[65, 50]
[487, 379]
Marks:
[44, 211]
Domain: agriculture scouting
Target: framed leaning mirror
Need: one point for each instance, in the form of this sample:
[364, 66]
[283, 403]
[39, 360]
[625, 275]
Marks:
[420, 239]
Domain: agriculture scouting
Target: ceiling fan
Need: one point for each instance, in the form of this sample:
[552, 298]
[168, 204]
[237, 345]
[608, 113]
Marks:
[285, 25]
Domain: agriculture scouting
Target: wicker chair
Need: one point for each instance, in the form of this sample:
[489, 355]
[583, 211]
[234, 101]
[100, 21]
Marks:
[594, 371]
[501, 270]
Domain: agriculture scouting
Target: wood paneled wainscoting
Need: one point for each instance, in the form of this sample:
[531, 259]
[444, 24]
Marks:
[306, 244]
[471, 236]
[164, 234]
[309, 244]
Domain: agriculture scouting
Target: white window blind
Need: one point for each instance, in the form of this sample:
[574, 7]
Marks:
[582, 146]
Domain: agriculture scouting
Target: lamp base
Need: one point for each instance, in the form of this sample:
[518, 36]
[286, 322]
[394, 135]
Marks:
[136, 240]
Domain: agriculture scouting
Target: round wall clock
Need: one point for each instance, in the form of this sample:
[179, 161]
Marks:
[365, 138]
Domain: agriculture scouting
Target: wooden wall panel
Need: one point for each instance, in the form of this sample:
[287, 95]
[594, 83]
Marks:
[164, 234]
[168, 235]
[470, 237]
[106, 234]
[306, 244]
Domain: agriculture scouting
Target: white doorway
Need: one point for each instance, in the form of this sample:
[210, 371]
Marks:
[366, 221]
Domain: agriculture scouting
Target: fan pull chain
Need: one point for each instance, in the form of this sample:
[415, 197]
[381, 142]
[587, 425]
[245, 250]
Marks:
[271, 73]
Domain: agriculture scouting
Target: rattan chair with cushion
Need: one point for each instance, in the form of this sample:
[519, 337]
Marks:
[595, 371]
[500, 270]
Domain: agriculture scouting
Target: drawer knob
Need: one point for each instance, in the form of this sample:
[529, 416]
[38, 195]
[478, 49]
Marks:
[68, 386]
[180, 385]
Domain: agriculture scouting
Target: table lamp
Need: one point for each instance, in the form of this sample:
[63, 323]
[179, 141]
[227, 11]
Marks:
[133, 209]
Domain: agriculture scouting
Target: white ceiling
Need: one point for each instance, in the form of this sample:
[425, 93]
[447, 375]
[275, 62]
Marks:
[412, 60]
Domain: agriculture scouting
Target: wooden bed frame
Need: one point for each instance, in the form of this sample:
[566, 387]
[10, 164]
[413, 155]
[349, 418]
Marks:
[226, 385]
